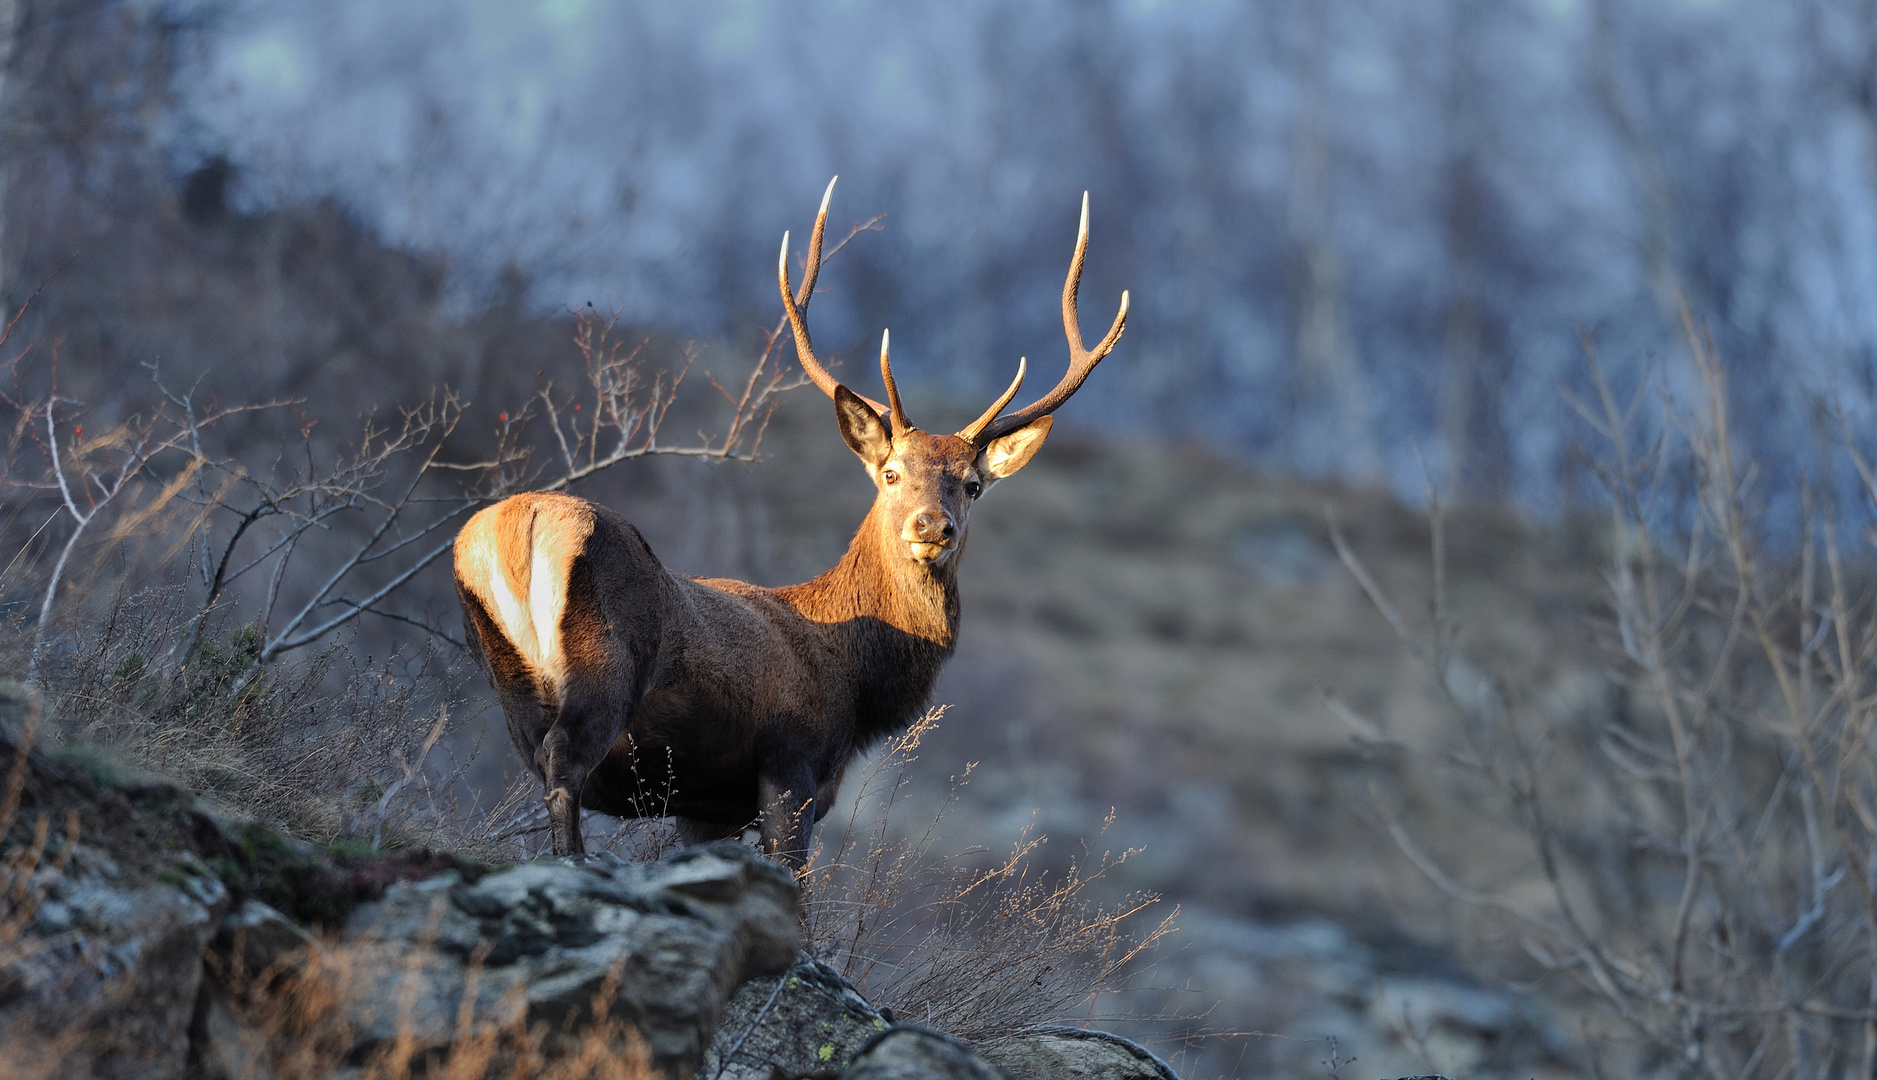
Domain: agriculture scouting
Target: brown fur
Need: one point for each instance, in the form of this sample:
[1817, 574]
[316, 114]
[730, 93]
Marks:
[645, 693]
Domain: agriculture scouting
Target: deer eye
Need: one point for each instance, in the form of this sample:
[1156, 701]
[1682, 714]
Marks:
[891, 476]
[973, 488]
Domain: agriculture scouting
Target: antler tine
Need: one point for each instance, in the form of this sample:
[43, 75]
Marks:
[796, 303]
[971, 433]
[900, 423]
[1081, 360]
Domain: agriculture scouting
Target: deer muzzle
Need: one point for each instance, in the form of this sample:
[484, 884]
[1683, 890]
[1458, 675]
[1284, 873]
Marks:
[929, 535]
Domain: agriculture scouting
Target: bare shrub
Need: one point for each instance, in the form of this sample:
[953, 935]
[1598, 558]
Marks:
[1704, 846]
[975, 948]
[304, 535]
[330, 746]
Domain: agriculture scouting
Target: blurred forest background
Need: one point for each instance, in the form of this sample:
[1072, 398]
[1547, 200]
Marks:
[1352, 227]
[1368, 244]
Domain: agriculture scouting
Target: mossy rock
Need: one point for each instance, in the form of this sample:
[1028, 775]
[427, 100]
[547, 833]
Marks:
[807, 1023]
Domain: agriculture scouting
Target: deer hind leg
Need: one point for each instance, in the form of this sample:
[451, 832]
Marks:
[582, 735]
[526, 706]
[563, 779]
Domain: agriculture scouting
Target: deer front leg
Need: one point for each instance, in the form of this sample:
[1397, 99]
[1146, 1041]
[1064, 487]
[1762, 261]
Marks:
[692, 831]
[787, 816]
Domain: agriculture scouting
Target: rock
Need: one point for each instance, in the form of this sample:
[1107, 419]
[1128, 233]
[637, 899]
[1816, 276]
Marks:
[747, 896]
[808, 1022]
[660, 947]
[143, 935]
[106, 983]
[225, 1046]
[910, 1052]
[254, 940]
[1066, 1053]
[153, 938]
[113, 890]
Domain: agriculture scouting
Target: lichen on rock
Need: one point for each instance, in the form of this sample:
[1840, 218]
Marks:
[808, 1022]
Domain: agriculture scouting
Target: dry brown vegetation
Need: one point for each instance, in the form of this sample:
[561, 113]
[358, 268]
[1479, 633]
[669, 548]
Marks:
[300, 1027]
[975, 947]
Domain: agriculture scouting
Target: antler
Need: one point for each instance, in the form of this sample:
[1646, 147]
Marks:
[970, 434]
[1081, 360]
[797, 305]
[900, 423]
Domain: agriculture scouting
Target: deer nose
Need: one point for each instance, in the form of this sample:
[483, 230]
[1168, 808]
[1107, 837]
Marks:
[933, 528]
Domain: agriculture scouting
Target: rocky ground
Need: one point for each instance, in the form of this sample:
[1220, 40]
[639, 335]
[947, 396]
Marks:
[145, 936]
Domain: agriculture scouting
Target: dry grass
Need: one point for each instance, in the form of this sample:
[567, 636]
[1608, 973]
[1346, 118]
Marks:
[330, 747]
[972, 947]
[29, 867]
[298, 1020]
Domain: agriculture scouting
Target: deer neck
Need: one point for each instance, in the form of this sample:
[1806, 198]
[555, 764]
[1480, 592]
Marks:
[893, 621]
[876, 583]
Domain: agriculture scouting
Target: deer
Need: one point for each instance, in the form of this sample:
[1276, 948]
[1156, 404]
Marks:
[752, 701]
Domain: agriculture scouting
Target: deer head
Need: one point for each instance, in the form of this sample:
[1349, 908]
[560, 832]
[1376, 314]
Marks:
[926, 483]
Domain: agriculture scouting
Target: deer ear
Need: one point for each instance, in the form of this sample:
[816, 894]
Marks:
[861, 427]
[1004, 455]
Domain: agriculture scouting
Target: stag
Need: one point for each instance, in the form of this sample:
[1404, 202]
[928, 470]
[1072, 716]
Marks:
[635, 691]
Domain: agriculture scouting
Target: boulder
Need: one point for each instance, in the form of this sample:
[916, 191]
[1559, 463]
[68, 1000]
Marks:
[808, 1022]
[101, 941]
[103, 981]
[644, 955]
[1066, 1053]
[254, 940]
[910, 1052]
[143, 935]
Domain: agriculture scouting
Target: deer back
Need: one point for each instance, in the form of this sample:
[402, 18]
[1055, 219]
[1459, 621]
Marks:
[577, 603]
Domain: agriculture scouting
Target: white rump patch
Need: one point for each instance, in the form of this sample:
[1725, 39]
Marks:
[508, 609]
[547, 599]
[533, 628]
[528, 617]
